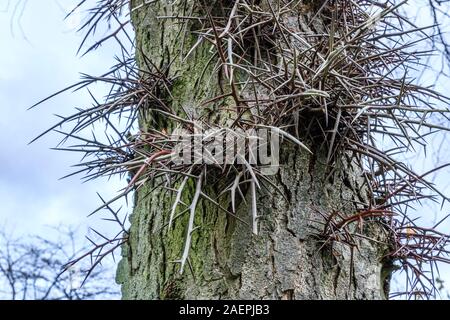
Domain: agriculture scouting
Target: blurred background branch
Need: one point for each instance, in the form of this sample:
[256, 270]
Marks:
[31, 268]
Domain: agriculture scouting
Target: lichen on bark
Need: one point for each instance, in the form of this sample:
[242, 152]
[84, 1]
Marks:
[287, 260]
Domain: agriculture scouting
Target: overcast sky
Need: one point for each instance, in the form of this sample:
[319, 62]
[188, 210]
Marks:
[35, 62]
[37, 58]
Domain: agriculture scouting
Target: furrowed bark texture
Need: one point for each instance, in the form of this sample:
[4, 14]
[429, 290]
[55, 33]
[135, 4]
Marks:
[226, 261]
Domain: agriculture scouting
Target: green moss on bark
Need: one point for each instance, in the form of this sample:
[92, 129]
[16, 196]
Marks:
[226, 260]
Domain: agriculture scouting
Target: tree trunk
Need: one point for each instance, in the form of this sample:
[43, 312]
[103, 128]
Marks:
[287, 259]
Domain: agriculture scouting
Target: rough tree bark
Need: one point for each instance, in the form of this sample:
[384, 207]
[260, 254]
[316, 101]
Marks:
[285, 261]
